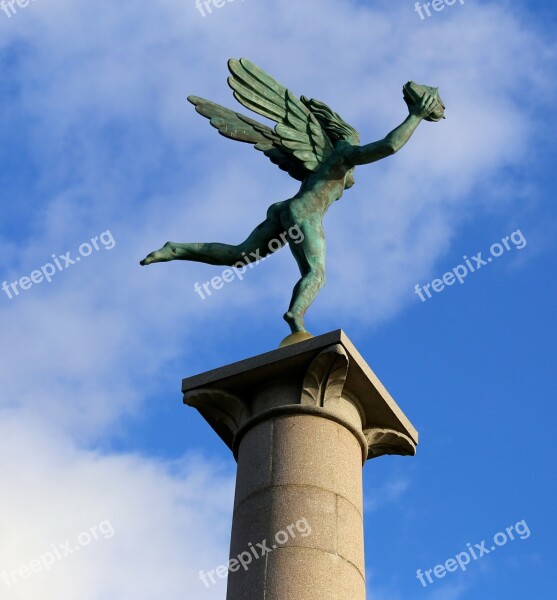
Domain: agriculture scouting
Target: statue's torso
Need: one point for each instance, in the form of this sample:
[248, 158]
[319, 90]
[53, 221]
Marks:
[320, 189]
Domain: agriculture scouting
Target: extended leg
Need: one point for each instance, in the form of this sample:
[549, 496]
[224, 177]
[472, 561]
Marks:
[254, 247]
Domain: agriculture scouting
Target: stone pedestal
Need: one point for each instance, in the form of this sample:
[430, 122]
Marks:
[301, 421]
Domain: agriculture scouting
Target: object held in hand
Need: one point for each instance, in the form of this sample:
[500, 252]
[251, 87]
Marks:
[414, 92]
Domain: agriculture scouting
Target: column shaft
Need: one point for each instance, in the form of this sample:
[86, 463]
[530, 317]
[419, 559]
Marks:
[299, 495]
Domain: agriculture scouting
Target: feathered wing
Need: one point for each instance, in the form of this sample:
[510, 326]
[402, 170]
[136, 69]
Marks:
[238, 127]
[298, 144]
[297, 128]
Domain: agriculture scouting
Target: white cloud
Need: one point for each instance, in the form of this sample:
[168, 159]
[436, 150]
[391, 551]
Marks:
[52, 492]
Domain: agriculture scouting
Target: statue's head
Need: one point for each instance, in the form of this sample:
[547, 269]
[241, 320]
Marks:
[335, 127]
[413, 92]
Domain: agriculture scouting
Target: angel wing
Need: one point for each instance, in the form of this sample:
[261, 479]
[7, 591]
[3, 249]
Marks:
[236, 126]
[298, 144]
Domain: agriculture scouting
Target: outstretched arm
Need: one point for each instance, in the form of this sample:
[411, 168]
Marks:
[393, 142]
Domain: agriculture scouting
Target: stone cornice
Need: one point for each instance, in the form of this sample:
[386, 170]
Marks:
[323, 376]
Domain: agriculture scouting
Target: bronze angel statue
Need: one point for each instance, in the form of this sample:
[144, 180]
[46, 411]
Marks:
[316, 147]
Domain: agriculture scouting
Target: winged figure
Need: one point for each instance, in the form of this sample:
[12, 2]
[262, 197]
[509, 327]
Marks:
[315, 146]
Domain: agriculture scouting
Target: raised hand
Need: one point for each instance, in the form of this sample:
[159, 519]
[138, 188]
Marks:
[424, 107]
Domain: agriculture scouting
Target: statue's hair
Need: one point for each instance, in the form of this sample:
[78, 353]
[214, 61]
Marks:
[335, 127]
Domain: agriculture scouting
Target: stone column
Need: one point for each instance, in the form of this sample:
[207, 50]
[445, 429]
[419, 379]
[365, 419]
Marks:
[301, 421]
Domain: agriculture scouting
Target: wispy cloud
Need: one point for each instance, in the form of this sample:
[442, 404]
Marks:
[450, 591]
[386, 493]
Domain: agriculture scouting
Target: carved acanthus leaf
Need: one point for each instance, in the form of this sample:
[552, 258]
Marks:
[325, 377]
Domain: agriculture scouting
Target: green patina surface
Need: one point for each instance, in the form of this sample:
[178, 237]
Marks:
[315, 146]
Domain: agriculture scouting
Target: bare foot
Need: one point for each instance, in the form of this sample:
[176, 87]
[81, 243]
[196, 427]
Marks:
[163, 255]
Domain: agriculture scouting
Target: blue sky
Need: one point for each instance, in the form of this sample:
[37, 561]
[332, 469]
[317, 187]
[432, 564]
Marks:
[97, 136]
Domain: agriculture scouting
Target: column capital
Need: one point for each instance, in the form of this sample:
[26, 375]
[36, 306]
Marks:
[323, 376]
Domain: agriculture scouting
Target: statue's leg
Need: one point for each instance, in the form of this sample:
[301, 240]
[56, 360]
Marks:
[310, 256]
[256, 246]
